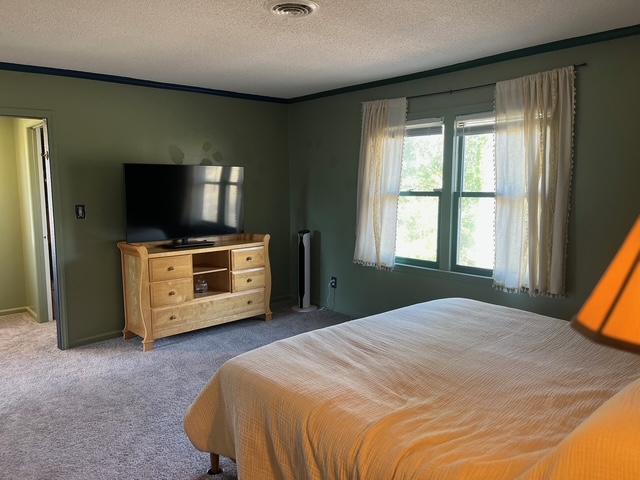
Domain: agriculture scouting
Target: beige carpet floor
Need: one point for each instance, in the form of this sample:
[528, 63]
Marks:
[108, 411]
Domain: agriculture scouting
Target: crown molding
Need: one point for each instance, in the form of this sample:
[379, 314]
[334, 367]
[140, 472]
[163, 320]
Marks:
[501, 57]
[102, 77]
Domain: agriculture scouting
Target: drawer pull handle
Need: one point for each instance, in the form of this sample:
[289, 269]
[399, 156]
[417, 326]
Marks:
[249, 259]
[172, 292]
[249, 302]
[170, 269]
[172, 317]
[249, 280]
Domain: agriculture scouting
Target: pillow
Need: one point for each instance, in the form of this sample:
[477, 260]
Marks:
[606, 445]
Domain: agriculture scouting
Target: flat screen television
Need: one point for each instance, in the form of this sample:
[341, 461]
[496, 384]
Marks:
[182, 202]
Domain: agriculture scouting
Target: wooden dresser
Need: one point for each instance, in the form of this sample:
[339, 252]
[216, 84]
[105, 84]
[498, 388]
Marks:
[159, 285]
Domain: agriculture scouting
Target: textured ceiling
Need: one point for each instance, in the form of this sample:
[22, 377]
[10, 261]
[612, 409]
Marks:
[238, 45]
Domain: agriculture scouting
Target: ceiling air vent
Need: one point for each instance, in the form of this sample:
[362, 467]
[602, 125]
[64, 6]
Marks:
[300, 8]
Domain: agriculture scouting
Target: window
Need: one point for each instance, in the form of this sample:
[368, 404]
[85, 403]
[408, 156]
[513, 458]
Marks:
[420, 191]
[447, 195]
[474, 196]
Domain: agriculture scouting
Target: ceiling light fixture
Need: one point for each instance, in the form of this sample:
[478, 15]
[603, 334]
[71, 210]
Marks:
[297, 9]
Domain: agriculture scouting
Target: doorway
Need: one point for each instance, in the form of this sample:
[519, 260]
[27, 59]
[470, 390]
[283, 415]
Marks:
[27, 233]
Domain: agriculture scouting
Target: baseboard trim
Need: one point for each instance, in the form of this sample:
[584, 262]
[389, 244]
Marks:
[11, 311]
[116, 333]
[25, 309]
[281, 298]
[95, 338]
[31, 312]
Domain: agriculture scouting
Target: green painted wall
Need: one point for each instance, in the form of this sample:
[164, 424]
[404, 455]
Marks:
[95, 127]
[324, 140]
[301, 164]
[12, 278]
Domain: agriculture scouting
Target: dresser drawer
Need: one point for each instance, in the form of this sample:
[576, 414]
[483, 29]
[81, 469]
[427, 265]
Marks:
[247, 258]
[171, 292]
[168, 268]
[247, 279]
[243, 302]
[183, 318]
[205, 313]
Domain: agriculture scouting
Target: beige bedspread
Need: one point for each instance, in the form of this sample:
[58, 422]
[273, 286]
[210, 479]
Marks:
[448, 389]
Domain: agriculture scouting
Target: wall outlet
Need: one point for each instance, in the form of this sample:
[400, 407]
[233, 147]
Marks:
[333, 282]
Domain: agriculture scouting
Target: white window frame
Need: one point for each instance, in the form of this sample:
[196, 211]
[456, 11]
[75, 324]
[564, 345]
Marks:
[448, 211]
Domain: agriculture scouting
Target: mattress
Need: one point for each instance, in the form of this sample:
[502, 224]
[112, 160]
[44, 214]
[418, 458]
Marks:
[447, 389]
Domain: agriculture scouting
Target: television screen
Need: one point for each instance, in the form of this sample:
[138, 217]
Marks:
[171, 202]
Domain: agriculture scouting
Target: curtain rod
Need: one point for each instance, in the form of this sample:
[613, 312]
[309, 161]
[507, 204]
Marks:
[442, 92]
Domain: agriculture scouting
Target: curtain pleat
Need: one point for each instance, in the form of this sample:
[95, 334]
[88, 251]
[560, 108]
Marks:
[534, 150]
[382, 141]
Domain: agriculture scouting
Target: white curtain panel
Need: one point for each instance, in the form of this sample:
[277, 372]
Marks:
[534, 148]
[382, 141]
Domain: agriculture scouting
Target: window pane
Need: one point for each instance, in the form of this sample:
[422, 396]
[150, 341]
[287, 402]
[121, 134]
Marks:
[478, 161]
[476, 232]
[417, 235]
[422, 163]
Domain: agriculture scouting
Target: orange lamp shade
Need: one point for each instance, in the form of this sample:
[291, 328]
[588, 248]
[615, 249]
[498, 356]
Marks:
[612, 313]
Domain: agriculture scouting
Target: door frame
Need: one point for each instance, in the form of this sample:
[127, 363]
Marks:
[52, 213]
[40, 149]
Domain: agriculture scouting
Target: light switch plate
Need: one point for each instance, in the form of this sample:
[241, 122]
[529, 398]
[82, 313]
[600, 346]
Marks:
[81, 212]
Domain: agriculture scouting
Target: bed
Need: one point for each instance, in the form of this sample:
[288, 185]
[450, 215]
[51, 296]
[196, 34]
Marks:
[447, 389]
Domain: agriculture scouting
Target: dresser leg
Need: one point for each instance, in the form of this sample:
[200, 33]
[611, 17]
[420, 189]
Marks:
[147, 346]
[215, 464]
[126, 334]
[268, 316]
